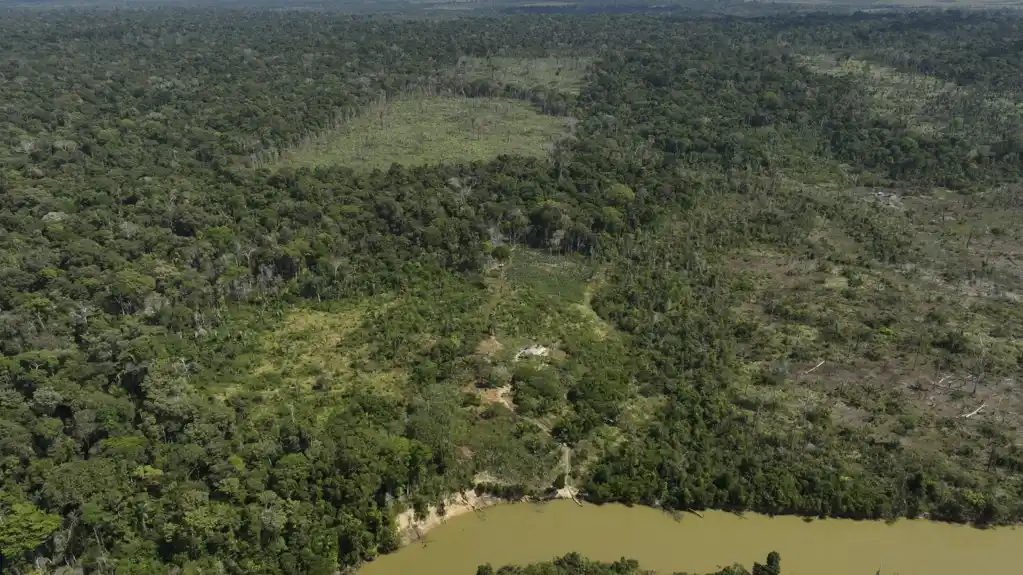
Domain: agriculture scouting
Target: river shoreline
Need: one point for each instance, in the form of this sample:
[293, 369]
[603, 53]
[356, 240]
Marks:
[666, 543]
[411, 530]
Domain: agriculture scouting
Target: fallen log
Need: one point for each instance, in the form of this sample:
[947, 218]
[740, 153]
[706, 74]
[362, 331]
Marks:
[974, 412]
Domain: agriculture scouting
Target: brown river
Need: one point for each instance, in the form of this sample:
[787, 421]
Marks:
[527, 532]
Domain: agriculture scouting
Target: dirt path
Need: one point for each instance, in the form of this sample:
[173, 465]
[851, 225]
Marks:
[568, 491]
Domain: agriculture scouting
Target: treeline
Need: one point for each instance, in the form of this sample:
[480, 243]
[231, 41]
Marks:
[574, 564]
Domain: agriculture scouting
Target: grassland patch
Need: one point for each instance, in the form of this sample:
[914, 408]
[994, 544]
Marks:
[320, 351]
[600, 328]
[430, 130]
[540, 298]
[548, 275]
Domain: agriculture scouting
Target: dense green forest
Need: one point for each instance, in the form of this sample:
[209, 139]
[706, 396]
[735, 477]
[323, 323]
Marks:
[573, 564]
[768, 263]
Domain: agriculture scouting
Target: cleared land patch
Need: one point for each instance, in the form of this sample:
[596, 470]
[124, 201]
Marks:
[431, 130]
[927, 104]
[902, 353]
[316, 351]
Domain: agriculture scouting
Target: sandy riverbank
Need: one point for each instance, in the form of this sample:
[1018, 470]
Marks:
[411, 529]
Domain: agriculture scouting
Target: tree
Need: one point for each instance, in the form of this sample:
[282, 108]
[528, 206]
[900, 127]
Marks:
[24, 528]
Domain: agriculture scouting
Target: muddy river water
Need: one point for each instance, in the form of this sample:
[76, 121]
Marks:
[527, 532]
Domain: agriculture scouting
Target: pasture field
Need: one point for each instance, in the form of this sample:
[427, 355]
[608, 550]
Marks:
[431, 130]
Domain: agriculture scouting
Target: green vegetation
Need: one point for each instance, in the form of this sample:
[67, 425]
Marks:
[551, 73]
[573, 564]
[317, 350]
[925, 103]
[430, 130]
[745, 281]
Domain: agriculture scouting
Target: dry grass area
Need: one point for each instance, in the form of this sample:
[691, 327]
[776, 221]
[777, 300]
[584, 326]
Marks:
[431, 130]
[489, 346]
[502, 395]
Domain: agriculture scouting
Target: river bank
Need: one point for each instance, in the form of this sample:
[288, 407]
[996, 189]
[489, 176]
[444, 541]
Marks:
[520, 533]
[411, 529]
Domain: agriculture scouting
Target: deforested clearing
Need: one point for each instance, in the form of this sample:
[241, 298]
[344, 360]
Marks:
[431, 130]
